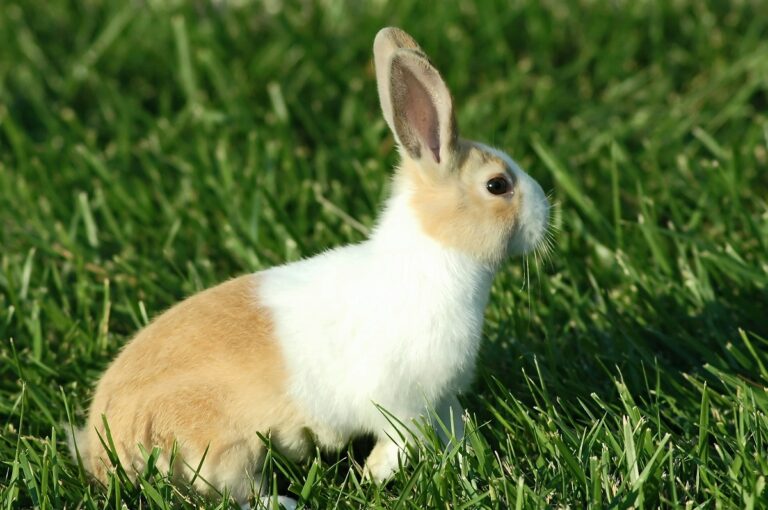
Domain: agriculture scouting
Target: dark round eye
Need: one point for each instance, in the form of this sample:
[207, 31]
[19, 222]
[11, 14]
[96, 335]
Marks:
[497, 185]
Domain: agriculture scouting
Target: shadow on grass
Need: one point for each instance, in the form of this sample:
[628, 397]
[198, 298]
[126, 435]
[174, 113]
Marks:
[653, 352]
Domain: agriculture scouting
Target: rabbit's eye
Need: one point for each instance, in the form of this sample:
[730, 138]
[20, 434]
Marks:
[497, 185]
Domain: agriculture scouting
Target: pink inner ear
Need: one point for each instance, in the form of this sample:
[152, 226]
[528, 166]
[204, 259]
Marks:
[421, 113]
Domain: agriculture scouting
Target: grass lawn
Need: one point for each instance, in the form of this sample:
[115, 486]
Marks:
[152, 149]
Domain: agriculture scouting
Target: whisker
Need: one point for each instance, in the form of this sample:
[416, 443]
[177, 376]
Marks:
[549, 244]
[522, 286]
[528, 280]
[545, 250]
[538, 270]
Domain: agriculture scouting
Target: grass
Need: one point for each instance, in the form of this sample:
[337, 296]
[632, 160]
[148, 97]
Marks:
[149, 150]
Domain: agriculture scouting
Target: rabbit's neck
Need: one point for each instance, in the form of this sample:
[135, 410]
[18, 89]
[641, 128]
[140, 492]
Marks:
[400, 243]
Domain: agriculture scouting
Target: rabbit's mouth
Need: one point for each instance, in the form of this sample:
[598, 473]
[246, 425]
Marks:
[533, 220]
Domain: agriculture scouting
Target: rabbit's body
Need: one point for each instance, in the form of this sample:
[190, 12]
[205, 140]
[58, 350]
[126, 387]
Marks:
[351, 341]
[281, 348]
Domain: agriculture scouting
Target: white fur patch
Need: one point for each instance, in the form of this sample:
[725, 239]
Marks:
[394, 321]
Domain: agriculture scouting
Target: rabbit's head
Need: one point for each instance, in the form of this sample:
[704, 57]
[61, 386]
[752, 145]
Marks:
[466, 195]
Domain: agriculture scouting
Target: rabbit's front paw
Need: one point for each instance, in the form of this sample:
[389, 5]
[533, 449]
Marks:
[383, 461]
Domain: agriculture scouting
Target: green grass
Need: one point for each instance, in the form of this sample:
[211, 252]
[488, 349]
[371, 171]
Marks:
[149, 150]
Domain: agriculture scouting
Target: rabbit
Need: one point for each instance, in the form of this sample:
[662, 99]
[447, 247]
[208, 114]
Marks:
[312, 351]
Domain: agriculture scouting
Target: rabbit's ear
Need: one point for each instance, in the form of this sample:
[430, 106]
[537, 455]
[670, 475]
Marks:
[387, 41]
[414, 99]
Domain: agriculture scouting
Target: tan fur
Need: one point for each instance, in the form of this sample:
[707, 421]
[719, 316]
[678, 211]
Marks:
[456, 210]
[207, 374]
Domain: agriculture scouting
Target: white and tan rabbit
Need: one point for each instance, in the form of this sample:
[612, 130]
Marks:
[308, 351]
